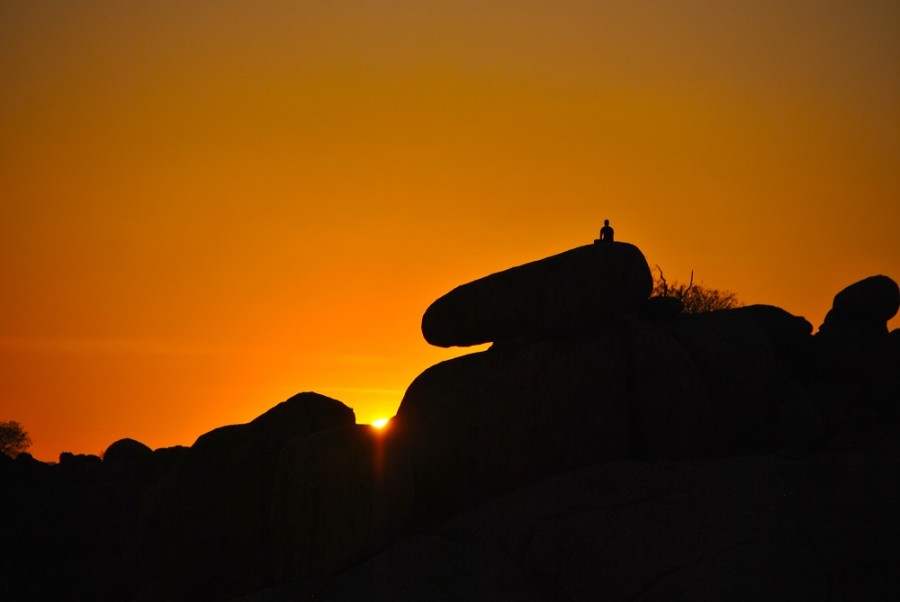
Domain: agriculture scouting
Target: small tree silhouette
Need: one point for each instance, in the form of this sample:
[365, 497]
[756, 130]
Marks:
[695, 298]
[13, 438]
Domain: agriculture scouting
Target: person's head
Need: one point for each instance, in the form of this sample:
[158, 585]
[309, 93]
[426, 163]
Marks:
[606, 222]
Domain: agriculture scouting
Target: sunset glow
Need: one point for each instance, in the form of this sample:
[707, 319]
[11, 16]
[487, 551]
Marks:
[208, 207]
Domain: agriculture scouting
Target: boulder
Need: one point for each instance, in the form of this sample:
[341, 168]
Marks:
[855, 333]
[671, 407]
[66, 531]
[27, 469]
[128, 458]
[340, 496]
[704, 385]
[75, 468]
[737, 363]
[748, 528]
[6, 466]
[167, 458]
[206, 525]
[577, 289]
[875, 299]
[661, 308]
[855, 362]
[487, 422]
[790, 335]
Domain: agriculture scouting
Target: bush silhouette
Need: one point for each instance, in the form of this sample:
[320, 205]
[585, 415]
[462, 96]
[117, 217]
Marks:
[694, 297]
[13, 438]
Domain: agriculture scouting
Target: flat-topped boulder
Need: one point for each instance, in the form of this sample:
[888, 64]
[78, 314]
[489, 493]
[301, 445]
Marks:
[580, 288]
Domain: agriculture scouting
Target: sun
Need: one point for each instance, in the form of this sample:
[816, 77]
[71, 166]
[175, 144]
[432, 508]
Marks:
[380, 423]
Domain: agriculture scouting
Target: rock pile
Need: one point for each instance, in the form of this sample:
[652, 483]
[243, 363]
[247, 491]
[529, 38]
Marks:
[605, 446]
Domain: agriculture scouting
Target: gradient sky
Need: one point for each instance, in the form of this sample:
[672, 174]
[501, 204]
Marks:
[206, 207]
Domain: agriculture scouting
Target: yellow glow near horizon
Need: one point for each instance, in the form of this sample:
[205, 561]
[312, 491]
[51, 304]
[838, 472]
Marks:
[381, 423]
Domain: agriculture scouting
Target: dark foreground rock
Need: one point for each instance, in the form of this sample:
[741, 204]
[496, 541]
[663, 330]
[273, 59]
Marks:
[704, 385]
[753, 528]
[128, 457]
[206, 525]
[572, 291]
[340, 496]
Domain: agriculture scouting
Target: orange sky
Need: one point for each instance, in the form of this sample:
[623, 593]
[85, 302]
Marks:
[206, 207]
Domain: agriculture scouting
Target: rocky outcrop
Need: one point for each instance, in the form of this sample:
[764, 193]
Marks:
[340, 496]
[604, 446]
[573, 291]
[751, 528]
[128, 457]
[483, 423]
[854, 340]
[206, 525]
[702, 385]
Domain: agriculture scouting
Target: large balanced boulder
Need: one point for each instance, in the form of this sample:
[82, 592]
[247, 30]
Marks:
[206, 524]
[577, 289]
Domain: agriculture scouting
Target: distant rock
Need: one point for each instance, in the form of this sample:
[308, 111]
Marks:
[875, 299]
[6, 466]
[166, 458]
[27, 469]
[577, 289]
[127, 457]
[80, 467]
[206, 524]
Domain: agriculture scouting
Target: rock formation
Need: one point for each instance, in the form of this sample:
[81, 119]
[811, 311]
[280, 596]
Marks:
[574, 290]
[605, 446]
[207, 523]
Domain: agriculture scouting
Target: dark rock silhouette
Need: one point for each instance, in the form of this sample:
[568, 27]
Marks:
[746, 529]
[661, 308]
[340, 495]
[206, 525]
[69, 531]
[128, 457]
[575, 290]
[857, 371]
[873, 300]
[81, 467]
[606, 446]
[704, 385]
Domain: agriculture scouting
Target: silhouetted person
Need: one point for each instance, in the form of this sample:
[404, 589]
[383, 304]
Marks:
[606, 233]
